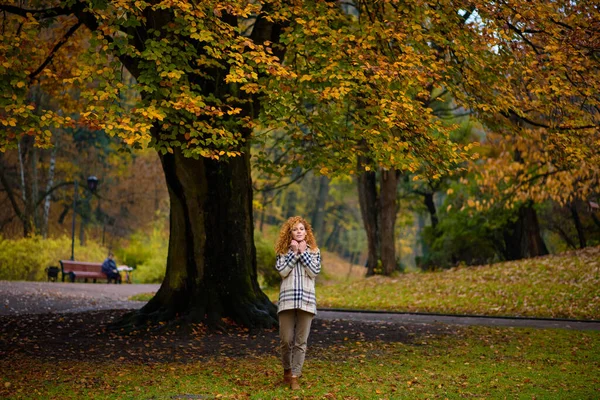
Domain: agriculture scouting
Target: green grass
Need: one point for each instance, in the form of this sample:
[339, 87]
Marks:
[475, 362]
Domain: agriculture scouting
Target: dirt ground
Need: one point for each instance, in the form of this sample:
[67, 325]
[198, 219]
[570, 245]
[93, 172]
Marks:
[66, 321]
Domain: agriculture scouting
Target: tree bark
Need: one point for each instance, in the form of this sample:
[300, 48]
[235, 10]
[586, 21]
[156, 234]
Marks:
[47, 197]
[10, 193]
[35, 192]
[387, 222]
[523, 238]
[211, 264]
[578, 225]
[368, 200]
[82, 224]
[430, 204]
[26, 219]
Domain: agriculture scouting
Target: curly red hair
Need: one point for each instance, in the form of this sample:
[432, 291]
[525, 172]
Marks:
[282, 245]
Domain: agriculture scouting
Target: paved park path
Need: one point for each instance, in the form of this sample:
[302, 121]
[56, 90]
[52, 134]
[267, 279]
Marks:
[17, 297]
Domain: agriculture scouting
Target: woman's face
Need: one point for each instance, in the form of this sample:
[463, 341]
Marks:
[298, 232]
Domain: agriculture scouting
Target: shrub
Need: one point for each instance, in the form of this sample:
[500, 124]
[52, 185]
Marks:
[27, 258]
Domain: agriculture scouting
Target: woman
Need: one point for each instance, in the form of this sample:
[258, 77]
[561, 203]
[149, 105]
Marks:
[298, 263]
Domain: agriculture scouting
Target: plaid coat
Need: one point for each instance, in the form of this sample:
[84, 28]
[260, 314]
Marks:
[298, 273]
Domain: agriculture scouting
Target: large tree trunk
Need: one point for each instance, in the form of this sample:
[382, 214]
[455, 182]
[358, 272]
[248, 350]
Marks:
[378, 212]
[367, 197]
[211, 264]
[387, 222]
[523, 238]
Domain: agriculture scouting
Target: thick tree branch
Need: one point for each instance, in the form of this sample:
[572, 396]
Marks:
[49, 192]
[281, 186]
[37, 14]
[89, 20]
[569, 27]
[522, 35]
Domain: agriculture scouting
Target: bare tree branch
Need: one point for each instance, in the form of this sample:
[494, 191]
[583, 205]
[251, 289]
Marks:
[283, 185]
[540, 125]
[522, 35]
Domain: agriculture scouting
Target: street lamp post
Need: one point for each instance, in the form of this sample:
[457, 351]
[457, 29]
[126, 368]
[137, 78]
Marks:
[92, 182]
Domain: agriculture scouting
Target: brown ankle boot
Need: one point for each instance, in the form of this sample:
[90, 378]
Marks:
[294, 383]
[287, 376]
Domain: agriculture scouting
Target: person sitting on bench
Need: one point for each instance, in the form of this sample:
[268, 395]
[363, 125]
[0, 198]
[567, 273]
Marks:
[109, 267]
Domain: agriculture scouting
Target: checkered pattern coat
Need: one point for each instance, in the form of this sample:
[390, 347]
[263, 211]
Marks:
[298, 273]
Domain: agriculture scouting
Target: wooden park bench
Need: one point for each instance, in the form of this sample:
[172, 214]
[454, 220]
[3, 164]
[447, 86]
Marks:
[81, 270]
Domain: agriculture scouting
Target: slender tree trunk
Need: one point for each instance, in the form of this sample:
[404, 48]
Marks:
[318, 214]
[35, 192]
[565, 237]
[421, 224]
[263, 210]
[367, 197]
[25, 146]
[523, 238]
[332, 239]
[24, 216]
[82, 225]
[578, 225]
[49, 185]
[292, 199]
[211, 264]
[22, 172]
[387, 222]
[430, 204]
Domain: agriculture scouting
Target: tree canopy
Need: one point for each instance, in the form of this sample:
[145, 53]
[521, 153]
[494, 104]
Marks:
[199, 81]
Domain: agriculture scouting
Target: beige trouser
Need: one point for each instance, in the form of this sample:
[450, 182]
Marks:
[294, 327]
